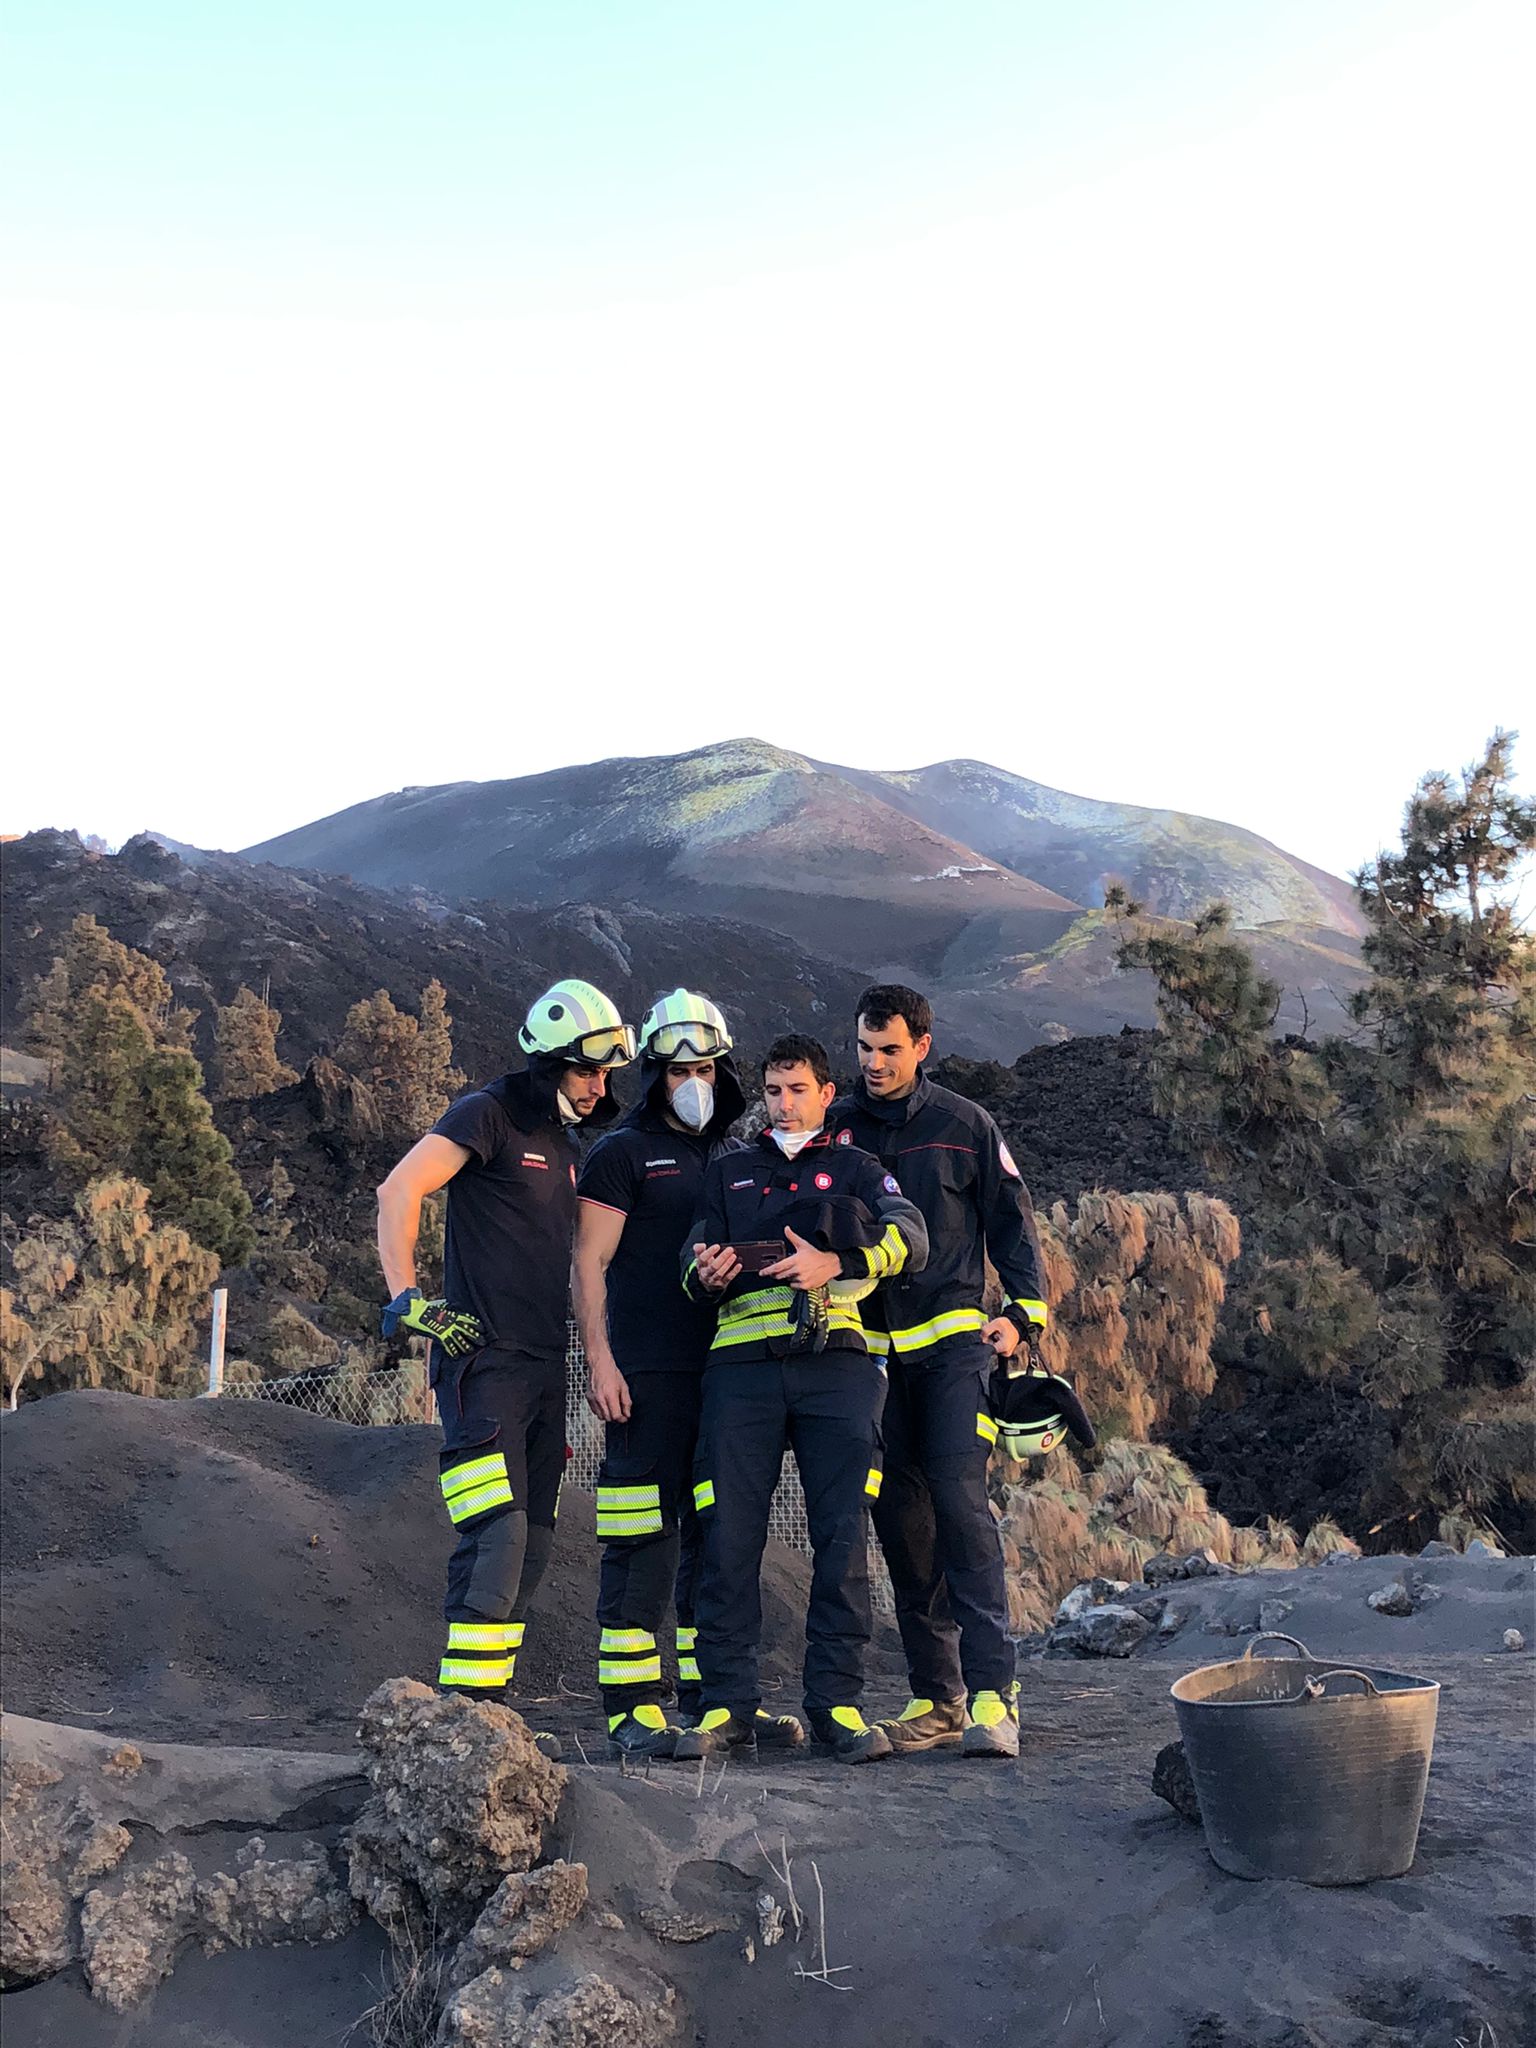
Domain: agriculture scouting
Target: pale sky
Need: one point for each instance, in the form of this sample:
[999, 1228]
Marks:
[1136, 397]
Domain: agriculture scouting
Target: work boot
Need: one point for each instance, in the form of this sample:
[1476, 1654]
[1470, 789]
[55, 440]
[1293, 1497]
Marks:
[992, 1723]
[720, 1729]
[924, 1724]
[849, 1736]
[644, 1732]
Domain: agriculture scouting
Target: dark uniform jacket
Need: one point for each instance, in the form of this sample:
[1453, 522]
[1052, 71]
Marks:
[511, 1211]
[652, 1174]
[950, 1159]
[840, 1199]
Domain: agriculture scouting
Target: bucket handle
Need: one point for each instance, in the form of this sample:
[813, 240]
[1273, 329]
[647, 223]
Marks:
[1273, 1635]
[1316, 1688]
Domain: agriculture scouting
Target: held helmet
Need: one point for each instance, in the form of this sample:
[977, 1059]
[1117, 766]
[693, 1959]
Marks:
[575, 1022]
[684, 1026]
[1035, 1411]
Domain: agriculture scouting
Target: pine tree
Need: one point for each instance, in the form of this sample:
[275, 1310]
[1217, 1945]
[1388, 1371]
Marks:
[129, 1091]
[93, 962]
[104, 1298]
[246, 1064]
[438, 1080]
[406, 1064]
[187, 1163]
[1388, 1181]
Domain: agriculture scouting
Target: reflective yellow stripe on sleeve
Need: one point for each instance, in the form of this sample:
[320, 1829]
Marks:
[1037, 1311]
[986, 1428]
[954, 1323]
[704, 1495]
[872, 1483]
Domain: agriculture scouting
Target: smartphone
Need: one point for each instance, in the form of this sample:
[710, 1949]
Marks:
[760, 1252]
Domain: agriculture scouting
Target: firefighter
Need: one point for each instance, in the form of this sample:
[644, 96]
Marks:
[933, 1518]
[506, 1154]
[791, 1233]
[646, 1342]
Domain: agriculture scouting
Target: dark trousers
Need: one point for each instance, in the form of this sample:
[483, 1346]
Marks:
[826, 1409]
[936, 1526]
[651, 1541]
[503, 1457]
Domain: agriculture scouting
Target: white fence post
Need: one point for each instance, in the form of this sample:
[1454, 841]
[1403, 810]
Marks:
[216, 1344]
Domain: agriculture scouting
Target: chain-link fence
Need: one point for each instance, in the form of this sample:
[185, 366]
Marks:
[399, 1393]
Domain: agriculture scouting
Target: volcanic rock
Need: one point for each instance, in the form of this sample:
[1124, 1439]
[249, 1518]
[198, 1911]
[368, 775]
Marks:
[1109, 1631]
[1171, 1780]
[523, 1916]
[274, 1899]
[129, 1937]
[1391, 1599]
[461, 1796]
[495, 2011]
[56, 1843]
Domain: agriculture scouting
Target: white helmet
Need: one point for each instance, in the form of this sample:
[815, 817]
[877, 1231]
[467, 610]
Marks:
[684, 1026]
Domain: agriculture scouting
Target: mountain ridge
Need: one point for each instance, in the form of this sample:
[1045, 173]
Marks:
[747, 814]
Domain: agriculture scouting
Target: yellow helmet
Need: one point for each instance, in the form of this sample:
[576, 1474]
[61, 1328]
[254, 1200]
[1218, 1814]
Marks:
[575, 1022]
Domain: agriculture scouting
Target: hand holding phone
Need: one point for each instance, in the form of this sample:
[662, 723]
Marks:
[760, 1252]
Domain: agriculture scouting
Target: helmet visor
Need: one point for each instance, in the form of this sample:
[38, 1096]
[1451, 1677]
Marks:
[1030, 1439]
[692, 1039]
[614, 1047]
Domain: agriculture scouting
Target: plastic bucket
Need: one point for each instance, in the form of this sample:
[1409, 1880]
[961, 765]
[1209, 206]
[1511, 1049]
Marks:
[1307, 1768]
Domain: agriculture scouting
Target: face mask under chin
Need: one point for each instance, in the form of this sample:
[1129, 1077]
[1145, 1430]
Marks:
[792, 1143]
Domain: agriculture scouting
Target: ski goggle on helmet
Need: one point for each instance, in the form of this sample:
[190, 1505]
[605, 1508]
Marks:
[575, 1022]
[684, 1026]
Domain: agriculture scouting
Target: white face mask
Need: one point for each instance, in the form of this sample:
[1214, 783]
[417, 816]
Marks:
[693, 1103]
[792, 1143]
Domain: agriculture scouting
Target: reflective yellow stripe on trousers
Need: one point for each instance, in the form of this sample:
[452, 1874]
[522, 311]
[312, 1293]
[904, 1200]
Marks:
[628, 1656]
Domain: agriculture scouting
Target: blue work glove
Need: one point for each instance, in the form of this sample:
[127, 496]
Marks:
[455, 1329]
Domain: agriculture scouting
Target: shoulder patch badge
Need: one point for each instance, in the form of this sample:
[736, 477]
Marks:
[891, 1187]
[1005, 1157]
[845, 1137]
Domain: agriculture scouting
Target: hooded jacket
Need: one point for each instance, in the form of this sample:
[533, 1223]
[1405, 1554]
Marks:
[951, 1160]
[512, 1208]
[650, 1172]
[840, 1200]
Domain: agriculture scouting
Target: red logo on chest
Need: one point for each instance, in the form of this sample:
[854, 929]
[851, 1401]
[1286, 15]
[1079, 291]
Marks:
[823, 1181]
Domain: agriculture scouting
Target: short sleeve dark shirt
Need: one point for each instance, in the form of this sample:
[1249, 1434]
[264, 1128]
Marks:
[652, 1178]
[511, 1212]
